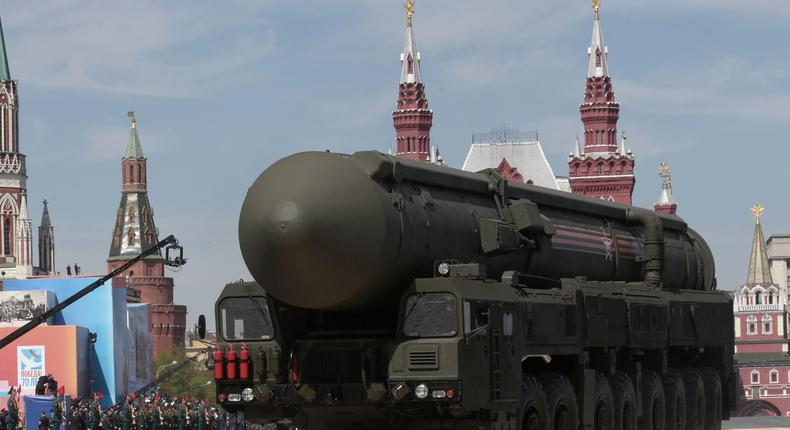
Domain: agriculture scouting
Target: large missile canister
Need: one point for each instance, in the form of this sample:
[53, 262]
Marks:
[335, 232]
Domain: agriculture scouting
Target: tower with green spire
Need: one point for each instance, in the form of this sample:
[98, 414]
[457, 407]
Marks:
[134, 232]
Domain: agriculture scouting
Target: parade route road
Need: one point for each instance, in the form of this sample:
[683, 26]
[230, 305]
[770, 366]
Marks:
[763, 423]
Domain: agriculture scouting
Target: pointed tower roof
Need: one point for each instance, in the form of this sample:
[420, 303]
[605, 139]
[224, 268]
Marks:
[410, 58]
[598, 66]
[45, 221]
[5, 74]
[759, 269]
[133, 148]
[23, 213]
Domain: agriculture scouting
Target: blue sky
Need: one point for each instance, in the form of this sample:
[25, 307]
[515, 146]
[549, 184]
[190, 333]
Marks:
[222, 91]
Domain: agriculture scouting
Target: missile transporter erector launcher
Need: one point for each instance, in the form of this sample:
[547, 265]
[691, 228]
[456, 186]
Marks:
[393, 293]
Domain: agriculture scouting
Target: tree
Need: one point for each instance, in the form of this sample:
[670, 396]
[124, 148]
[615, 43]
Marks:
[193, 379]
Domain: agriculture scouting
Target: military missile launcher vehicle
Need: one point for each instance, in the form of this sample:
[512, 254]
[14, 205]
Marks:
[392, 293]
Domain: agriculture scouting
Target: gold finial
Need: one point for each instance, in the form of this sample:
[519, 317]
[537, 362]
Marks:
[663, 169]
[757, 210]
[596, 7]
[409, 6]
[130, 114]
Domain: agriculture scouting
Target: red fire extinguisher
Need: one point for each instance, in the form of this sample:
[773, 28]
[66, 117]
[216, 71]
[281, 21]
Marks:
[244, 362]
[219, 366]
[231, 358]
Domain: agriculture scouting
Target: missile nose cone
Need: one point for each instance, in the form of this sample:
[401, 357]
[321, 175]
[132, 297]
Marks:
[284, 223]
[314, 231]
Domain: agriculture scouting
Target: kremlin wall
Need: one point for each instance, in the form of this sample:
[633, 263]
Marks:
[135, 317]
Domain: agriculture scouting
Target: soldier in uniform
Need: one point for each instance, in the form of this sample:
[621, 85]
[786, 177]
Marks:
[201, 417]
[126, 412]
[43, 421]
[91, 419]
[181, 411]
[57, 415]
[155, 415]
[12, 419]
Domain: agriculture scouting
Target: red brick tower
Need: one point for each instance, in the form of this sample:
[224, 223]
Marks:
[135, 231]
[412, 118]
[602, 169]
[665, 204]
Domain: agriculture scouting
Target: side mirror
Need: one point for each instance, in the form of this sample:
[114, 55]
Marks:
[201, 327]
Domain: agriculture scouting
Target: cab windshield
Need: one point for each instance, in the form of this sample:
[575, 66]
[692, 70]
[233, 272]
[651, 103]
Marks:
[431, 315]
[246, 318]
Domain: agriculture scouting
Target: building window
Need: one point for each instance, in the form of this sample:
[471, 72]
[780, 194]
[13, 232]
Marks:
[7, 236]
[758, 298]
[751, 325]
[774, 376]
[767, 324]
[755, 377]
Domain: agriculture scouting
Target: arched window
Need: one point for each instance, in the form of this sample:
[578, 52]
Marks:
[758, 298]
[768, 326]
[131, 173]
[751, 325]
[774, 376]
[7, 235]
[755, 376]
[130, 235]
[140, 173]
[773, 296]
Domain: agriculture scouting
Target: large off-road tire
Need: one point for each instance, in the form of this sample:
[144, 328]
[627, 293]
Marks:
[603, 404]
[626, 410]
[675, 396]
[713, 400]
[533, 414]
[562, 409]
[695, 398]
[653, 405]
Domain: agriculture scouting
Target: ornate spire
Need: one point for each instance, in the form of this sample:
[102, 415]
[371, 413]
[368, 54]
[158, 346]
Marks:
[598, 66]
[759, 268]
[46, 243]
[410, 58]
[45, 221]
[133, 148]
[412, 118]
[665, 203]
[5, 74]
[134, 225]
[605, 168]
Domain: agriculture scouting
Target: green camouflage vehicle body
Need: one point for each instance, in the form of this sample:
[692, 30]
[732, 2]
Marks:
[397, 294]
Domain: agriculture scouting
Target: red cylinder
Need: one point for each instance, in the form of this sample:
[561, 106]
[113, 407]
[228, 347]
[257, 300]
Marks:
[219, 366]
[231, 361]
[244, 362]
[295, 367]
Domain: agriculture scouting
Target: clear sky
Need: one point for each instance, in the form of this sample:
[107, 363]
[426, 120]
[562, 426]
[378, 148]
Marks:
[223, 89]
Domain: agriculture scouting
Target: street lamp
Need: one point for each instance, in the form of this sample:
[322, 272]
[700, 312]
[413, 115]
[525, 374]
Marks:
[163, 366]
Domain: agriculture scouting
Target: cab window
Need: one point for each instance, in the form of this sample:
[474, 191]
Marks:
[431, 315]
[246, 318]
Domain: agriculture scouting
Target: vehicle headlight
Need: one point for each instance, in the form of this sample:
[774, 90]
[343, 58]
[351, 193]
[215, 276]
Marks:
[246, 395]
[444, 268]
[421, 391]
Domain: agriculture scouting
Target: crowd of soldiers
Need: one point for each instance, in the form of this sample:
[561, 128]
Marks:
[135, 412]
